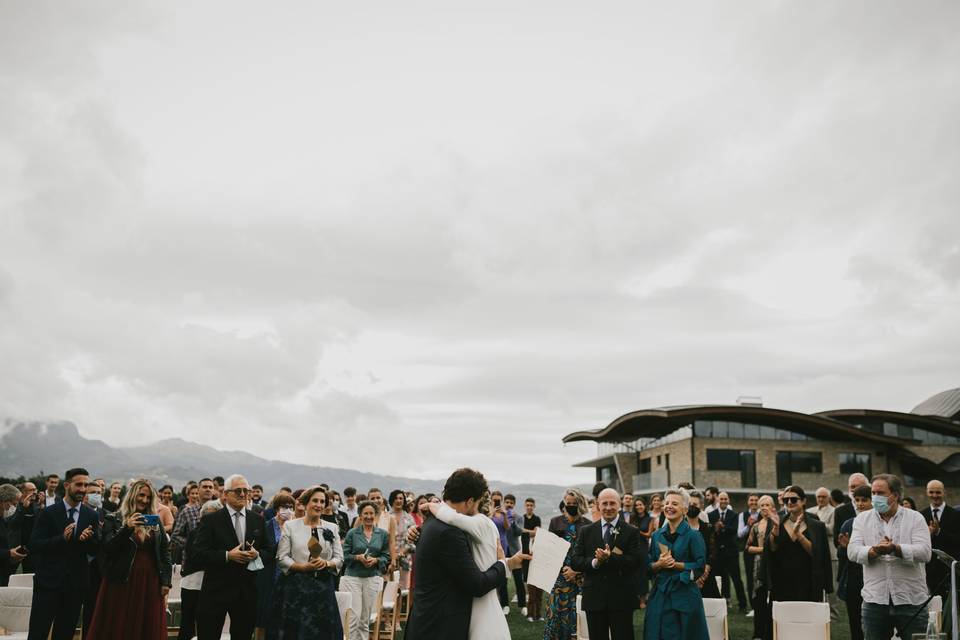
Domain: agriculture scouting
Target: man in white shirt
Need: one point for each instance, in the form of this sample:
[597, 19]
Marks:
[893, 545]
[350, 507]
[50, 496]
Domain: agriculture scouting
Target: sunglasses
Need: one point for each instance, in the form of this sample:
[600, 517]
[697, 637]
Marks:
[238, 492]
[791, 500]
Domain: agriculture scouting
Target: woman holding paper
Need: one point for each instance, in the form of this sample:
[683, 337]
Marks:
[677, 553]
[486, 617]
[309, 555]
[562, 605]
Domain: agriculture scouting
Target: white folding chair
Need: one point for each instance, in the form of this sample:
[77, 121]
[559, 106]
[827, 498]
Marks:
[716, 612]
[344, 603]
[936, 606]
[21, 580]
[801, 620]
[385, 618]
[15, 611]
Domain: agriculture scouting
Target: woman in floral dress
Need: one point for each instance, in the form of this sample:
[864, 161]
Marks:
[562, 605]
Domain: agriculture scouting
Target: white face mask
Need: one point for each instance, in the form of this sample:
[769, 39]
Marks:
[286, 513]
[10, 511]
[95, 500]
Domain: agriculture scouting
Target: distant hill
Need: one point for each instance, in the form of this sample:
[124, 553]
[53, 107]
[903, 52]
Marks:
[26, 448]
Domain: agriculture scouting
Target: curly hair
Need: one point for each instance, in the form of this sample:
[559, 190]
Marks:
[464, 484]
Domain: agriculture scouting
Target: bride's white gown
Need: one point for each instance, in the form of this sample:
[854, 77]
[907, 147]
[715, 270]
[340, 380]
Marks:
[487, 621]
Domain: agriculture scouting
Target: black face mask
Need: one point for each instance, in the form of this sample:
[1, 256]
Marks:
[571, 509]
[693, 512]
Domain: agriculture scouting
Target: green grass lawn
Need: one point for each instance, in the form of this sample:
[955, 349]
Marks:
[740, 626]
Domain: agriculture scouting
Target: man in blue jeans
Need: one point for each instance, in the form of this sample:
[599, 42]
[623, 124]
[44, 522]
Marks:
[893, 545]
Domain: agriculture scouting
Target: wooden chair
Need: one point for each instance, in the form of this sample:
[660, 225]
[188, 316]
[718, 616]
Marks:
[801, 620]
[15, 603]
[716, 612]
[406, 599]
[582, 633]
[384, 620]
[345, 604]
[21, 580]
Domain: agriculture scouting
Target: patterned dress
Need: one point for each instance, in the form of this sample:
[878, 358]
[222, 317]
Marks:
[562, 605]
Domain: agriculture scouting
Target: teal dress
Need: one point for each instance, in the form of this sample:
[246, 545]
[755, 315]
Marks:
[675, 606]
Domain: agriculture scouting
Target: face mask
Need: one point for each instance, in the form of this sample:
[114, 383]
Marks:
[10, 511]
[880, 504]
[336, 504]
[286, 513]
[95, 500]
[571, 509]
[693, 512]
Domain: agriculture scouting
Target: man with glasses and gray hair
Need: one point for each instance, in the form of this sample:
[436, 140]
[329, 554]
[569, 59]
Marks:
[227, 549]
[893, 545]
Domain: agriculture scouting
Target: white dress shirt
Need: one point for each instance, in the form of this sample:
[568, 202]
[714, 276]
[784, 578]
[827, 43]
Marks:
[889, 578]
[604, 525]
[295, 538]
[243, 522]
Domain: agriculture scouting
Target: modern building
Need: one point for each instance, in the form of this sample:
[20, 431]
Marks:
[746, 447]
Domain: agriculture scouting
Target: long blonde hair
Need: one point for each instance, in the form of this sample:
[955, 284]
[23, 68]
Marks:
[129, 504]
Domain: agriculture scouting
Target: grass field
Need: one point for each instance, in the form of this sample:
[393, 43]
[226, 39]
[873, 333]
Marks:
[740, 626]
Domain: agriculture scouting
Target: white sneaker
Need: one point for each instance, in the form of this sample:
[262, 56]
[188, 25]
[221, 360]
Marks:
[750, 614]
[529, 619]
[523, 611]
[506, 611]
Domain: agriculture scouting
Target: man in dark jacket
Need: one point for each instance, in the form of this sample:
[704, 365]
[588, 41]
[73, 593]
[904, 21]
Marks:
[64, 536]
[944, 524]
[226, 542]
[447, 578]
[608, 553]
[725, 523]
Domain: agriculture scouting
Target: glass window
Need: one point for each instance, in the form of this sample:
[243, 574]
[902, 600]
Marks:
[855, 463]
[748, 469]
[767, 433]
[889, 429]
[735, 429]
[903, 431]
[644, 466]
[723, 460]
[719, 429]
[797, 436]
[751, 431]
[806, 461]
[782, 434]
[703, 428]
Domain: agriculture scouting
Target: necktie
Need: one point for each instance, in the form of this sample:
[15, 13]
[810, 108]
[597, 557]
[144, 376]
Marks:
[606, 533]
[936, 515]
[70, 515]
[236, 527]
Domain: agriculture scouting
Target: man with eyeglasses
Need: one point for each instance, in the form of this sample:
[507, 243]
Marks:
[227, 547]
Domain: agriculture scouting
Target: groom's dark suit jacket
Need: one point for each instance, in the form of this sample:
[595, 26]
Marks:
[447, 582]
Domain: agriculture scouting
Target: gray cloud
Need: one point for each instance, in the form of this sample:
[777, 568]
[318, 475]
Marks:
[355, 237]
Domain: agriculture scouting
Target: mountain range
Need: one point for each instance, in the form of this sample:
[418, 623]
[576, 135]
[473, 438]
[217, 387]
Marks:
[28, 448]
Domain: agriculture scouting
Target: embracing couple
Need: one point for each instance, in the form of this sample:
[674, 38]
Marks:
[459, 564]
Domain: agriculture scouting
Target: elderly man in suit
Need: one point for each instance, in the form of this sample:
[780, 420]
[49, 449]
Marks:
[226, 542]
[608, 553]
[65, 535]
[944, 524]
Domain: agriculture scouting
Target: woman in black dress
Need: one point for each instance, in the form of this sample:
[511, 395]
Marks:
[800, 561]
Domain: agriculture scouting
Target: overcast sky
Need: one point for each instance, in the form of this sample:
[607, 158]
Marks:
[409, 236]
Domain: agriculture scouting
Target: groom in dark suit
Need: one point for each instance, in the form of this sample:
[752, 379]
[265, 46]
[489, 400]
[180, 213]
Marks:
[447, 577]
[607, 552]
[226, 542]
[64, 536]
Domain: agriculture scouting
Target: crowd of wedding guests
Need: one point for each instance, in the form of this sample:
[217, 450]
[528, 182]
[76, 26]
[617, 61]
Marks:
[103, 554]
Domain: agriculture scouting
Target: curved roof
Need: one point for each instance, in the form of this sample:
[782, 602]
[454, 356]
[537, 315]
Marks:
[945, 404]
[660, 421]
[930, 423]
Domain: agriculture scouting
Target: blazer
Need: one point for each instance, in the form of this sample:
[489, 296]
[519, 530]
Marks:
[225, 581]
[118, 549]
[612, 585]
[947, 539]
[295, 537]
[63, 563]
[447, 582]
[726, 538]
[821, 564]
[6, 566]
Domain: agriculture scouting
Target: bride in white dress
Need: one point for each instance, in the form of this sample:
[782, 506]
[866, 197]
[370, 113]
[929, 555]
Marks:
[487, 621]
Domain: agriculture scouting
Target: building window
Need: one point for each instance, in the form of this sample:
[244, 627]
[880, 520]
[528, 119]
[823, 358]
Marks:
[740, 430]
[855, 463]
[644, 466]
[789, 462]
[734, 460]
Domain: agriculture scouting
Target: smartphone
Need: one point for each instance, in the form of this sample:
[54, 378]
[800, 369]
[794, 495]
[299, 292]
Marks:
[151, 519]
[22, 549]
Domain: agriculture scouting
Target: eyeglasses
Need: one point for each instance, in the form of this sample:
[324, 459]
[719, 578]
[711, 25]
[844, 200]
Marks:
[791, 499]
[238, 492]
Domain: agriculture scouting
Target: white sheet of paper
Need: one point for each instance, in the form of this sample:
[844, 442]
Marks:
[549, 551]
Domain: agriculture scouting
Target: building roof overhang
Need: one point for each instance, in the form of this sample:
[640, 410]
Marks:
[661, 421]
[930, 423]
